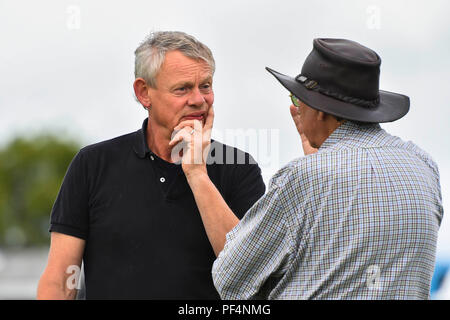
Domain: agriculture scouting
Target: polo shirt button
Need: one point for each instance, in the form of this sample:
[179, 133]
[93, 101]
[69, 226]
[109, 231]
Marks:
[151, 157]
[162, 179]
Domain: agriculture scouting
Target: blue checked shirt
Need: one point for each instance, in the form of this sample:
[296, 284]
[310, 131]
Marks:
[357, 220]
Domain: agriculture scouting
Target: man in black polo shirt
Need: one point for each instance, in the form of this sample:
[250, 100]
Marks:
[126, 210]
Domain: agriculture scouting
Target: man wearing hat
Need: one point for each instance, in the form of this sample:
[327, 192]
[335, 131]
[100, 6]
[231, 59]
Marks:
[356, 218]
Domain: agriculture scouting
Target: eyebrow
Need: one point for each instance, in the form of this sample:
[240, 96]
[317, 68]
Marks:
[190, 84]
[207, 79]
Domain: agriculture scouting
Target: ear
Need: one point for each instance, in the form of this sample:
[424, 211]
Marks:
[141, 92]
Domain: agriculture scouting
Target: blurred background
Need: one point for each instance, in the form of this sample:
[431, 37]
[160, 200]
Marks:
[66, 77]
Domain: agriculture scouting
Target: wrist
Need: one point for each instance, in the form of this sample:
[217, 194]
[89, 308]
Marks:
[196, 175]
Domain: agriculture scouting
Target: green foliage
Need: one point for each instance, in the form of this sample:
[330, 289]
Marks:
[31, 173]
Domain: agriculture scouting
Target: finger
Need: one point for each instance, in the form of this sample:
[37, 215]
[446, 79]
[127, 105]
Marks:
[183, 124]
[198, 126]
[181, 135]
[296, 117]
[195, 124]
[175, 140]
[294, 113]
[209, 119]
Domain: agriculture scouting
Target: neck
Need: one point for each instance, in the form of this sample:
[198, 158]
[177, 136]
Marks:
[327, 130]
[158, 141]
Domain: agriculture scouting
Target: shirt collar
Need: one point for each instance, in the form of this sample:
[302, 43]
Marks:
[345, 129]
[140, 144]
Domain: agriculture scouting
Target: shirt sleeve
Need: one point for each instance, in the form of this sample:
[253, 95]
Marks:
[247, 187]
[257, 252]
[70, 212]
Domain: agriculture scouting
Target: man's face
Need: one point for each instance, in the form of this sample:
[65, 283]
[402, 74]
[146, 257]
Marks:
[183, 91]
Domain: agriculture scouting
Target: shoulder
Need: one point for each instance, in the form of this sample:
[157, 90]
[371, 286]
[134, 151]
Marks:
[233, 167]
[114, 145]
[221, 153]
[405, 149]
[422, 155]
[108, 153]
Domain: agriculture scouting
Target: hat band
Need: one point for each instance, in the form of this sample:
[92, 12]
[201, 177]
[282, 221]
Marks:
[313, 85]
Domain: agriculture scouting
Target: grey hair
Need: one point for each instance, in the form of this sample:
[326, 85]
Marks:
[150, 54]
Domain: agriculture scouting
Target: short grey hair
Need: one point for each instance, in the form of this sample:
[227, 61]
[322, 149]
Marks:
[150, 54]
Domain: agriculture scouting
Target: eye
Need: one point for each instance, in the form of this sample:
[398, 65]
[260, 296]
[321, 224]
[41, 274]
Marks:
[180, 90]
[205, 87]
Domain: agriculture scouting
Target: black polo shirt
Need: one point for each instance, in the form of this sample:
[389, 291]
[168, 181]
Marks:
[144, 235]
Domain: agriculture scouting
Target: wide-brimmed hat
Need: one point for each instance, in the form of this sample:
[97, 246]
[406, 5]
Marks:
[341, 77]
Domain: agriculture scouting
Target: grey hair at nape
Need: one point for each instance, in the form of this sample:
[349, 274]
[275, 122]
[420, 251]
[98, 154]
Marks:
[150, 54]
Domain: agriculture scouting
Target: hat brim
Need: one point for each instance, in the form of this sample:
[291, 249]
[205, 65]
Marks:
[392, 105]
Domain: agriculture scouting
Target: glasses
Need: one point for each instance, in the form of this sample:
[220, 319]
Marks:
[295, 100]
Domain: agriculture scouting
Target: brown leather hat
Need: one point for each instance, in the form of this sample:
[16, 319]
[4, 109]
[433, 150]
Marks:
[341, 77]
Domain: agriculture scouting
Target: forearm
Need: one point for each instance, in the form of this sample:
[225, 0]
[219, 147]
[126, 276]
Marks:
[217, 217]
[49, 289]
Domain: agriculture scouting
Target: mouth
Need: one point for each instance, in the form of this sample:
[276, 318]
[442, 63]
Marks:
[195, 116]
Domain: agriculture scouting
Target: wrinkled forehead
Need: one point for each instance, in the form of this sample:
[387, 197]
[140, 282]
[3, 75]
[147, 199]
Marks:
[176, 64]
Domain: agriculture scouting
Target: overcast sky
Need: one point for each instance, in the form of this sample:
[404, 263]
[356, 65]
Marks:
[67, 67]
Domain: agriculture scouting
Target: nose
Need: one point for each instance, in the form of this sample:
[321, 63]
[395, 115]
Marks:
[196, 98]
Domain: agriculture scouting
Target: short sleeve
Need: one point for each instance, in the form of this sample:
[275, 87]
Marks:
[247, 187]
[70, 212]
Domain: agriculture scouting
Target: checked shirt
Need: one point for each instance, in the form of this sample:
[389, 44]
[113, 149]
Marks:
[357, 220]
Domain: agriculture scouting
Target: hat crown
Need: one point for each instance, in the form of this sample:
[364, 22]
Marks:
[344, 67]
